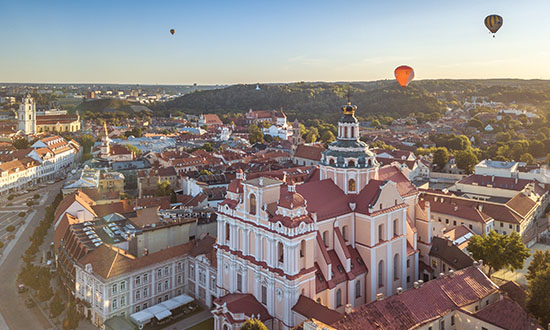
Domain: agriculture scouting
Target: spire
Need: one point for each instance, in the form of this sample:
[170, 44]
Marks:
[105, 129]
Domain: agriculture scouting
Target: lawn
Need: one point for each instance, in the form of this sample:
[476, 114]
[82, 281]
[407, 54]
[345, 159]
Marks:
[205, 325]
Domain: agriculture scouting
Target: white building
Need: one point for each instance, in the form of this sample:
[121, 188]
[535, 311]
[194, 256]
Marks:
[26, 115]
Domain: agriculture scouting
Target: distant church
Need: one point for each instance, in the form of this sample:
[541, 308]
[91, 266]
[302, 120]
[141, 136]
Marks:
[31, 121]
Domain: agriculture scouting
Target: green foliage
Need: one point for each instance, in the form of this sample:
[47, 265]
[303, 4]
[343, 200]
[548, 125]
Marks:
[72, 319]
[207, 147]
[255, 134]
[133, 149]
[327, 137]
[1, 245]
[56, 305]
[205, 172]
[10, 228]
[87, 142]
[538, 297]
[135, 132]
[474, 122]
[537, 149]
[21, 143]
[466, 160]
[253, 324]
[498, 251]
[10, 197]
[164, 188]
[527, 158]
[36, 196]
[441, 157]
[451, 141]
[21, 214]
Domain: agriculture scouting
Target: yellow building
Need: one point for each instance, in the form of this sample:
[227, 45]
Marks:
[58, 123]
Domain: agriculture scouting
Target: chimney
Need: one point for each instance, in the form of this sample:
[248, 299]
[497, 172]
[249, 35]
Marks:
[480, 262]
[314, 216]
[451, 273]
[420, 283]
[399, 290]
[416, 285]
[441, 275]
[476, 264]
[379, 296]
[348, 308]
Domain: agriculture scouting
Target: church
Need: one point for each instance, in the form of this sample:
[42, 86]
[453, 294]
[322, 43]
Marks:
[30, 121]
[344, 237]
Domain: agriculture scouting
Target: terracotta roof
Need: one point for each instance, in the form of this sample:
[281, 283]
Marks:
[404, 185]
[314, 152]
[451, 254]
[522, 204]
[290, 200]
[146, 216]
[77, 196]
[212, 119]
[416, 306]
[61, 229]
[205, 246]
[108, 261]
[325, 198]
[507, 314]
[311, 309]
[515, 292]
[497, 182]
[243, 303]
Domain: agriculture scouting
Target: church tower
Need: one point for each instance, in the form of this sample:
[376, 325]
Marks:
[105, 142]
[348, 161]
[26, 115]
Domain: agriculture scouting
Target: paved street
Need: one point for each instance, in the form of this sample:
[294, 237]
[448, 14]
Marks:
[14, 314]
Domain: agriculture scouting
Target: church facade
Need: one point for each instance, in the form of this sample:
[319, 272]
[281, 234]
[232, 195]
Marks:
[342, 238]
[31, 122]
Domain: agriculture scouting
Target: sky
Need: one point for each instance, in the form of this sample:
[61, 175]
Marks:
[238, 41]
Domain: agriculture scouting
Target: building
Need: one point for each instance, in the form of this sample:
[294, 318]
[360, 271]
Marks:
[210, 120]
[31, 122]
[343, 237]
[307, 155]
[148, 180]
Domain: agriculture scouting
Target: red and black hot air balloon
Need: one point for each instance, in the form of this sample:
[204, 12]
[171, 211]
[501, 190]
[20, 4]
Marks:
[172, 31]
[404, 75]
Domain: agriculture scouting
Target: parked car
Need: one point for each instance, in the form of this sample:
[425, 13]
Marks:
[21, 288]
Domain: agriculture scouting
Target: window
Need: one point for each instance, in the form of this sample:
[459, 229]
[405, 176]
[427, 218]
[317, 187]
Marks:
[159, 286]
[501, 225]
[192, 272]
[351, 163]
[159, 273]
[114, 289]
[395, 227]
[145, 305]
[338, 298]
[114, 304]
[452, 320]
[122, 301]
[145, 292]
[447, 221]
[165, 297]
[159, 300]
[442, 326]
[166, 271]
[408, 263]
[212, 283]
[123, 286]
[408, 279]
[302, 248]
[380, 233]
[264, 295]
[227, 232]
[178, 279]
[239, 282]
[145, 278]
[178, 266]
[252, 203]
[396, 266]
[381, 273]
[454, 222]
[280, 252]
[318, 300]
[325, 237]
[166, 285]
[138, 308]
[470, 226]
[345, 132]
[357, 289]
[138, 295]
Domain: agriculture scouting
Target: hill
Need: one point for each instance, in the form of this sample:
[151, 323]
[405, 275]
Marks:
[111, 107]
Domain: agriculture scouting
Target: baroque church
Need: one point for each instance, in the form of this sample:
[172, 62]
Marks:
[344, 237]
[30, 121]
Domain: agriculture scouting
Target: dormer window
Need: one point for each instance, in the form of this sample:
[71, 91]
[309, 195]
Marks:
[351, 185]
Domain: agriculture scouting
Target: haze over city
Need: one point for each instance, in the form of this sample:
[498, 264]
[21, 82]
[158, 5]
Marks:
[220, 42]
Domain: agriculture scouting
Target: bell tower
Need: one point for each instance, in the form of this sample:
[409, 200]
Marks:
[348, 161]
[26, 115]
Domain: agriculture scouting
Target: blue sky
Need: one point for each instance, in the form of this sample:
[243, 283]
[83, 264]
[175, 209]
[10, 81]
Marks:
[219, 42]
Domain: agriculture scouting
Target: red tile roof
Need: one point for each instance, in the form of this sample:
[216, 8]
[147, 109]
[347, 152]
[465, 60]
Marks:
[314, 152]
[311, 309]
[507, 314]
[243, 303]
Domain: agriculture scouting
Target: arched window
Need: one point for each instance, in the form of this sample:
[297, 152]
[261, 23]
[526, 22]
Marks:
[345, 132]
[252, 204]
[345, 233]
[338, 298]
[396, 266]
[381, 273]
[358, 289]
[351, 163]
[331, 162]
[302, 248]
[227, 232]
[280, 252]
[395, 227]
[325, 237]
[351, 185]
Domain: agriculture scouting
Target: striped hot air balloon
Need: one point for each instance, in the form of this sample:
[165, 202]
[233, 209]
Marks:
[404, 75]
[493, 23]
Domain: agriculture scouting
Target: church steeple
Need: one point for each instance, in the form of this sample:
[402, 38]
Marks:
[26, 115]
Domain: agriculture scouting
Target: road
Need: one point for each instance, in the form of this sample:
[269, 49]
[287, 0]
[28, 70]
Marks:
[12, 308]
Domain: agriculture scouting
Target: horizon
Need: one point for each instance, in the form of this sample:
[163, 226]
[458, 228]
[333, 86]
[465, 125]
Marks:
[250, 42]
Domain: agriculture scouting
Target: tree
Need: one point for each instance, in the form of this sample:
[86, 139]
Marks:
[527, 158]
[441, 157]
[541, 261]
[327, 137]
[207, 147]
[135, 132]
[134, 149]
[21, 143]
[253, 324]
[255, 134]
[466, 160]
[87, 142]
[376, 123]
[536, 148]
[498, 251]
[56, 305]
[474, 122]
[164, 188]
[503, 137]
[538, 296]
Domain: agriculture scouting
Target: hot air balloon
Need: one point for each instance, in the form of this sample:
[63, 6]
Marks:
[404, 75]
[493, 23]
[172, 31]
